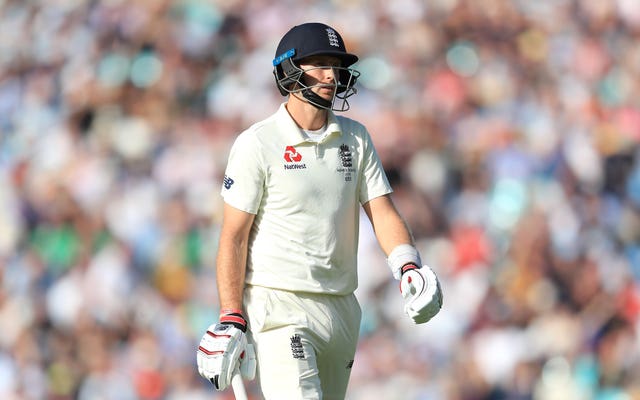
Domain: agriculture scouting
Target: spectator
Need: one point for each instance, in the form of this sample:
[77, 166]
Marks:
[511, 128]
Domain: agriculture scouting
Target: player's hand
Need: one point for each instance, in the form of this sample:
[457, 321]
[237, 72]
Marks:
[224, 349]
[421, 292]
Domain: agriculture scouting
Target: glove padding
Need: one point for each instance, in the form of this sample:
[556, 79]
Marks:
[422, 294]
[248, 363]
[222, 353]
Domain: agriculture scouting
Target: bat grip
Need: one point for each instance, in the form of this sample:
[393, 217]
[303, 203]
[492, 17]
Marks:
[238, 387]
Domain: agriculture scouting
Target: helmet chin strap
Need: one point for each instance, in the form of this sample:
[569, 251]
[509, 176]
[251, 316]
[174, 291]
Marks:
[292, 83]
[316, 100]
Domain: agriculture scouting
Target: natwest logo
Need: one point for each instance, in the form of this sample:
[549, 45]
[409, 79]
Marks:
[291, 155]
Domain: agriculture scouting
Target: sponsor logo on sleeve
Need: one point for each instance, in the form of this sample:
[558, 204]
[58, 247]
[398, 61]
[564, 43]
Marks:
[227, 182]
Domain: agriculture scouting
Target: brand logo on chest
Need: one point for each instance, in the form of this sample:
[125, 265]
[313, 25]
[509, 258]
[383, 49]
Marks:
[293, 159]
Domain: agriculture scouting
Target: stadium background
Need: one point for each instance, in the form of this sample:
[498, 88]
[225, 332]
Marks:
[509, 130]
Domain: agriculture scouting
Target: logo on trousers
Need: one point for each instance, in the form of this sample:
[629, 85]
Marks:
[296, 347]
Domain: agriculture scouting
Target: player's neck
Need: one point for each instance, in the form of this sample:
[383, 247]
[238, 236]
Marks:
[306, 115]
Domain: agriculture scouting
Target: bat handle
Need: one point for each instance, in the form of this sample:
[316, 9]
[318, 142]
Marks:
[238, 387]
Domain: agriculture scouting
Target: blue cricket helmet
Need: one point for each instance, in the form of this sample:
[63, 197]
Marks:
[313, 39]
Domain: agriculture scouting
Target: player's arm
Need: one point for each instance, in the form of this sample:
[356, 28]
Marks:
[388, 225]
[232, 256]
[418, 283]
[223, 349]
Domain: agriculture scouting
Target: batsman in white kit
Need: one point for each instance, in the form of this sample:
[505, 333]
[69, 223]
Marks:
[286, 263]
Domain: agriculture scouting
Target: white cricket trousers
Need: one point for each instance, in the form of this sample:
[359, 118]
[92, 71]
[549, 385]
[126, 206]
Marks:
[305, 343]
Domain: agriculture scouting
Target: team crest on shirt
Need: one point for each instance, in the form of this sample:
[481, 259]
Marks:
[293, 159]
[346, 160]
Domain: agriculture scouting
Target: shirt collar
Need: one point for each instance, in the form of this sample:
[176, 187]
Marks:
[293, 134]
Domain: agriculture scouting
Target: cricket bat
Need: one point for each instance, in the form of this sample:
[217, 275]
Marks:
[238, 387]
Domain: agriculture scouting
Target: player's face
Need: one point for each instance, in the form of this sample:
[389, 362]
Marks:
[321, 75]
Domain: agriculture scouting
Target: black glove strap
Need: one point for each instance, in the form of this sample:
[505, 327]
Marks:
[235, 319]
[408, 267]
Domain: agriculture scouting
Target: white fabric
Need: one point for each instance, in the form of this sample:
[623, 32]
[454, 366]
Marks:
[317, 135]
[305, 342]
[306, 198]
[422, 294]
[400, 256]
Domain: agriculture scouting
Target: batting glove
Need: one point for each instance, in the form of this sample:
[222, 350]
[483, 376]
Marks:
[419, 285]
[224, 350]
[421, 292]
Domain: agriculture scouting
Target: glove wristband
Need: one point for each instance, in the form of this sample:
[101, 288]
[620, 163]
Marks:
[400, 256]
[408, 267]
[234, 318]
[230, 311]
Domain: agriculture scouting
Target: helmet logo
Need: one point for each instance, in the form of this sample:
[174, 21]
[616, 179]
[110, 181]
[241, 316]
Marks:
[333, 37]
[291, 154]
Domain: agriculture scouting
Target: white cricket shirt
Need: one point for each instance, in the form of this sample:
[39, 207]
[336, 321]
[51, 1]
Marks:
[306, 198]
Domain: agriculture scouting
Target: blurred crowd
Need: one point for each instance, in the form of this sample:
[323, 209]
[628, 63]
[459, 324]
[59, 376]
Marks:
[509, 130]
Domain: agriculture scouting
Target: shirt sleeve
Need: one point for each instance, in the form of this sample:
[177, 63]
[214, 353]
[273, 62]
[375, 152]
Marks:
[374, 182]
[243, 182]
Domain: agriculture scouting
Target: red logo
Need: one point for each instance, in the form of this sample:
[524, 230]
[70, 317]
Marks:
[291, 155]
